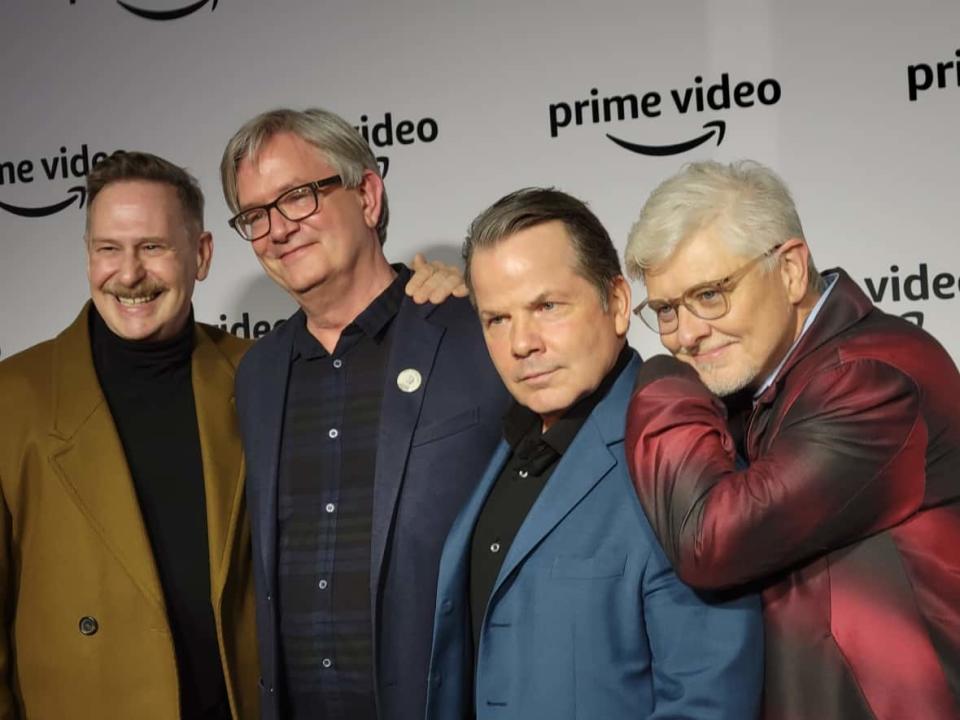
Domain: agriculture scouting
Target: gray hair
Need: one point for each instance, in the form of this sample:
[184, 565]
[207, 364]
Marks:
[748, 203]
[341, 144]
[597, 259]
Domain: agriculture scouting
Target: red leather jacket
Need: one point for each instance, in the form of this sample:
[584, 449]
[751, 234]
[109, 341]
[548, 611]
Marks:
[847, 518]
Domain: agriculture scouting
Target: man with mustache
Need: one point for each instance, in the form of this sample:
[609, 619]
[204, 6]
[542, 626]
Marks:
[554, 599]
[366, 422]
[835, 490]
[124, 548]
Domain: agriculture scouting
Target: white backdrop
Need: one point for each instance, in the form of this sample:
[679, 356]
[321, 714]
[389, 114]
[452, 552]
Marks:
[856, 103]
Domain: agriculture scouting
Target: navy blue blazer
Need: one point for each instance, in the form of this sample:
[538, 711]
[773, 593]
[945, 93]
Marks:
[587, 619]
[433, 445]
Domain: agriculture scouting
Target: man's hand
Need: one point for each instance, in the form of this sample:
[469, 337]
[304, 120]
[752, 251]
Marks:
[434, 281]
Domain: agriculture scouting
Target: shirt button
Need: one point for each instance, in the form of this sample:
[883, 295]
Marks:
[330, 507]
[523, 473]
[338, 363]
[322, 584]
[495, 547]
[333, 433]
[327, 663]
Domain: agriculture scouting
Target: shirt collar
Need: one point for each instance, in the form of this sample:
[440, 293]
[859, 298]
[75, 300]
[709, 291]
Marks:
[521, 422]
[831, 280]
[370, 322]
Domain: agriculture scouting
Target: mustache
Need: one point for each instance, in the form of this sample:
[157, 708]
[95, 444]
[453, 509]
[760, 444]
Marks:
[143, 289]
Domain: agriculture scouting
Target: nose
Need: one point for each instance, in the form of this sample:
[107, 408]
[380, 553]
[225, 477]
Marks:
[691, 330]
[524, 337]
[131, 269]
[280, 227]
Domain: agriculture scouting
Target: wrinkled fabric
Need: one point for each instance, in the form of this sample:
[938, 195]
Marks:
[846, 518]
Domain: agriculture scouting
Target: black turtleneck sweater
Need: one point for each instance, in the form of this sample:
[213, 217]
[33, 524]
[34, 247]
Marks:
[148, 388]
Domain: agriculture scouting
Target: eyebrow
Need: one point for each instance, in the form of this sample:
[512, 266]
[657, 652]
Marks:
[285, 188]
[551, 295]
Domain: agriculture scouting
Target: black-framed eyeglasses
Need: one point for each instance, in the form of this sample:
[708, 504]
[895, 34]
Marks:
[295, 204]
[708, 300]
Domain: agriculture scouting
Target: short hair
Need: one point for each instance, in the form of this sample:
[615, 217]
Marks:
[128, 165]
[748, 203]
[341, 144]
[597, 259]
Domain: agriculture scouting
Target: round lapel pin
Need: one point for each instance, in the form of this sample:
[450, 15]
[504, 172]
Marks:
[409, 380]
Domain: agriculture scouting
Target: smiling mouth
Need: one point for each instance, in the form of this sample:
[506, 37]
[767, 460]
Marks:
[290, 253]
[138, 300]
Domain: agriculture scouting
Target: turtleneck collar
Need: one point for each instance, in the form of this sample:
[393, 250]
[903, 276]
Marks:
[119, 360]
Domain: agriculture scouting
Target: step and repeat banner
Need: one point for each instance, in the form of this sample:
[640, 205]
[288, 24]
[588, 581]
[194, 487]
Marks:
[856, 104]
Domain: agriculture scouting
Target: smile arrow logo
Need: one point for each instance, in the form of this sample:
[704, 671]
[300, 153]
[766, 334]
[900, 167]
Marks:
[77, 191]
[166, 14]
[715, 127]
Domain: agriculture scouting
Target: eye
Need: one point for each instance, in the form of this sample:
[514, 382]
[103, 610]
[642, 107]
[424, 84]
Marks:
[547, 306]
[298, 197]
[663, 311]
[707, 296]
[494, 320]
[252, 216]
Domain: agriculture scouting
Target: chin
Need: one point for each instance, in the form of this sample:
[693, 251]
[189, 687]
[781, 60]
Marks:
[725, 384]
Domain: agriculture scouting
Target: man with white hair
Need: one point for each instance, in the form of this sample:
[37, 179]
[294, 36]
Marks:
[839, 499]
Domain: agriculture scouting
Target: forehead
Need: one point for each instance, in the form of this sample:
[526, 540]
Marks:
[136, 205]
[703, 257]
[525, 265]
[283, 161]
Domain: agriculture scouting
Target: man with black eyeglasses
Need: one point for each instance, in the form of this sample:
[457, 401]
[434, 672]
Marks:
[366, 419]
[839, 497]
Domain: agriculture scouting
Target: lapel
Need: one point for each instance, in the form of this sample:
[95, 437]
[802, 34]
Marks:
[414, 345]
[213, 376]
[273, 370]
[90, 461]
[584, 464]
[455, 559]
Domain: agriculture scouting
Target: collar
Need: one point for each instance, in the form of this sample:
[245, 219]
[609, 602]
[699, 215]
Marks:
[846, 306]
[831, 280]
[117, 358]
[521, 422]
[371, 322]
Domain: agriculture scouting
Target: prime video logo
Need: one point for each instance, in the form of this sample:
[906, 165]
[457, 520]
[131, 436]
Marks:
[53, 167]
[152, 13]
[699, 97]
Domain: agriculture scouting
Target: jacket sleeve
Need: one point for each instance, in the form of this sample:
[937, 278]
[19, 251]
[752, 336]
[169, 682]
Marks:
[846, 461]
[707, 655]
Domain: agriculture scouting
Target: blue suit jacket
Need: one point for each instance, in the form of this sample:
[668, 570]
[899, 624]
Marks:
[433, 445]
[587, 619]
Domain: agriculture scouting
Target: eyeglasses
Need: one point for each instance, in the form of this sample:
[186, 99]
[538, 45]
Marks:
[708, 301]
[295, 204]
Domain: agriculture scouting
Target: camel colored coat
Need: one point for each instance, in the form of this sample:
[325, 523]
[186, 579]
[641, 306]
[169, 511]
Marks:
[85, 627]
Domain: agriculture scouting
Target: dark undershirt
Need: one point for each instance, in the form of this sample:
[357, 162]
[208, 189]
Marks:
[535, 455]
[148, 389]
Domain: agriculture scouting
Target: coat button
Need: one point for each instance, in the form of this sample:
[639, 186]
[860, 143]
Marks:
[88, 625]
[446, 607]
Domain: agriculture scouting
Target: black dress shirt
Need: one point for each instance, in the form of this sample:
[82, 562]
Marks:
[525, 473]
[325, 506]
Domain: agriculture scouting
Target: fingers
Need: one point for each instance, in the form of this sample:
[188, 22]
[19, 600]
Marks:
[434, 281]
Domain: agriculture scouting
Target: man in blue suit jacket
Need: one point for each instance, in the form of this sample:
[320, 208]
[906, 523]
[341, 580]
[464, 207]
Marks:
[366, 421]
[554, 599]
